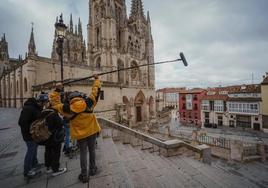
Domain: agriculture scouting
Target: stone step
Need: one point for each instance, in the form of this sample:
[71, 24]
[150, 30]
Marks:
[139, 173]
[112, 172]
[252, 158]
[223, 176]
[166, 172]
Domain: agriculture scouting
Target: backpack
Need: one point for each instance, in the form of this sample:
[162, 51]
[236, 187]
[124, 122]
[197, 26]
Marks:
[39, 129]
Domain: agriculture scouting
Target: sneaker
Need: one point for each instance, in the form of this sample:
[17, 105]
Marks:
[49, 170]
[31, 173]
[83, 178]
[59, 172]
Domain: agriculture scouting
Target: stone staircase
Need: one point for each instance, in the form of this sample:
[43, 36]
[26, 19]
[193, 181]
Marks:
[129, 159]
[124, 165]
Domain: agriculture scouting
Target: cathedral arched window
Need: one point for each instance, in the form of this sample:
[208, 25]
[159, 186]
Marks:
[98, 37]
[75, 57]
[119, 39]
[98, 63]
[25, 85]
[134, 72]
[120, 65]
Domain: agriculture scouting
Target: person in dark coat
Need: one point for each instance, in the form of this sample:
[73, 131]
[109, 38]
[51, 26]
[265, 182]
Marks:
[53, 144]
[31, 110]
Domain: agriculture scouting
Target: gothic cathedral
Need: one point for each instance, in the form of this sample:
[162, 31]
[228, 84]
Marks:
[114, 41]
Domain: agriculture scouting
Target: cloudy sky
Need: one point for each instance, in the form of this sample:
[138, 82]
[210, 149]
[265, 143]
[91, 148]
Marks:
[224, 41]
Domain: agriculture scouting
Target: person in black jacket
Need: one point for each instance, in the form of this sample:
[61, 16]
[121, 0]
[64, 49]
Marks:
[53, 144]
[30, 112]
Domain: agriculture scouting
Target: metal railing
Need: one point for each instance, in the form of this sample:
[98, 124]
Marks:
[213, 141]
[250, 149]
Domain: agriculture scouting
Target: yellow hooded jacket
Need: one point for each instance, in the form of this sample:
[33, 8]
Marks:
[84, 124]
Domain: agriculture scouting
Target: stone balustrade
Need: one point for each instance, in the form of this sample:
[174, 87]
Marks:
[166, 148]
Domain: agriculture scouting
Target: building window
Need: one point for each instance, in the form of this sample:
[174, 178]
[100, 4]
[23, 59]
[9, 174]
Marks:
[244, 107]
[220, 123]
[205, 105]
[189, 102]
[218, 106]
[25, 85]
[195, 107]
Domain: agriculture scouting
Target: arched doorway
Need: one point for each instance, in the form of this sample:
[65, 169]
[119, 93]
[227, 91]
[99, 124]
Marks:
[139, 105]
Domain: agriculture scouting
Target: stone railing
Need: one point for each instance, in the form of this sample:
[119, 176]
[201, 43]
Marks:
[166, 148]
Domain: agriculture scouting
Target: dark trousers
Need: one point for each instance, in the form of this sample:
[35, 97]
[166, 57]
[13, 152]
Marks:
[30, 159]
[84, 144]
[52, 156]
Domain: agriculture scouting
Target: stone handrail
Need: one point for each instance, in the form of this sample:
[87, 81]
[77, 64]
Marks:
[167, 148]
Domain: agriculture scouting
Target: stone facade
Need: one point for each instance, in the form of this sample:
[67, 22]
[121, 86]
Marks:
[115, 41]
[264, 94]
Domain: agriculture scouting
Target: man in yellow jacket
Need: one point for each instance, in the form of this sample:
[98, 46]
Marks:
[84, 126]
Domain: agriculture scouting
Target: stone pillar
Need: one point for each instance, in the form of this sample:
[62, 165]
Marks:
[9, 90]
[236, 150]
[194, 138]
[167, 131]
[261, 151]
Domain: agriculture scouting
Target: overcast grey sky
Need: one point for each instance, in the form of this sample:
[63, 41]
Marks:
[224, 41]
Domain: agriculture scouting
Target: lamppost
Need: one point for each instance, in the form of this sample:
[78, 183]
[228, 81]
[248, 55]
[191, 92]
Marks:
[60, 31]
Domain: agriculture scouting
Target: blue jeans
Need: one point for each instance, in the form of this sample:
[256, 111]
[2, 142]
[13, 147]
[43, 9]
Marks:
[67, 135]
[30, 159]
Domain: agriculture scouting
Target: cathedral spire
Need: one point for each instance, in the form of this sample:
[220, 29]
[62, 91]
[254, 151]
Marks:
[148, 17]
[80, 33]
[31, 45]
[4, 37]
[136, 10]
[75, 30]
[71, 24]
[90, 12]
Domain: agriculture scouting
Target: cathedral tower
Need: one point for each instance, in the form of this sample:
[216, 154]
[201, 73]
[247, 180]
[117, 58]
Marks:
[74, 47]
[116, 41]
[4, 56]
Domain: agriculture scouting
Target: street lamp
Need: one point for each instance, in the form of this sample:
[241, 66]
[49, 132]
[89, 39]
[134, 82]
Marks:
[61, 32]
